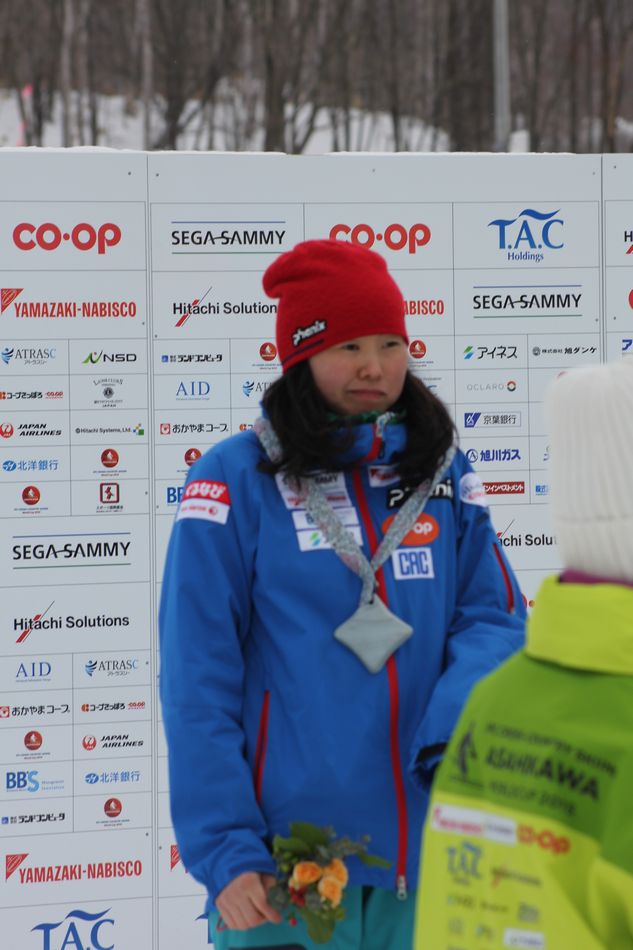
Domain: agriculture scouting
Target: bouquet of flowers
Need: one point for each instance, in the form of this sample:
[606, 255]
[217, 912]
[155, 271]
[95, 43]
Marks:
[312, 876]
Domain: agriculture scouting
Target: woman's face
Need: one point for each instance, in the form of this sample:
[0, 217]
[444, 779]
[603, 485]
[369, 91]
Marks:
[361, 375]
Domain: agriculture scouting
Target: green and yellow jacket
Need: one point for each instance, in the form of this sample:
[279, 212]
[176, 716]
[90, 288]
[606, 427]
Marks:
[529, 836]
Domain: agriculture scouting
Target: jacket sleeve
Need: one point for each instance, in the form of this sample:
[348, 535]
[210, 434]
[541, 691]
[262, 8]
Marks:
[610, 878]
[204, 618]
[487, 625]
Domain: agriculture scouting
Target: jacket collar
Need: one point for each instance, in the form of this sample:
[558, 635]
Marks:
[586, 626]
[377, 442]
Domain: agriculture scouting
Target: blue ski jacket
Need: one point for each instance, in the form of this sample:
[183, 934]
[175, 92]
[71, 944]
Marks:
[268, 718]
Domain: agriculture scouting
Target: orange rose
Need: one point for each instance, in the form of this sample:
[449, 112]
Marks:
[330, 889]
[305, 872]
[337, 869]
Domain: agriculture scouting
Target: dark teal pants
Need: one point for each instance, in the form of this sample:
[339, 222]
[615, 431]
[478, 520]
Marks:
[376, 920]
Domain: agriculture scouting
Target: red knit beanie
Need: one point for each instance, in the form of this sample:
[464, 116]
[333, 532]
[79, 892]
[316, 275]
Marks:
[329, 292]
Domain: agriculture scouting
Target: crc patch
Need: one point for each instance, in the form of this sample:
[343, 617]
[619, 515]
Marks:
[412, 564]
[206, 500]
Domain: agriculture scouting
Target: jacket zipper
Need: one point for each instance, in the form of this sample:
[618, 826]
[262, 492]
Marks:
[394, 702]
[506, 578]
[260, 748]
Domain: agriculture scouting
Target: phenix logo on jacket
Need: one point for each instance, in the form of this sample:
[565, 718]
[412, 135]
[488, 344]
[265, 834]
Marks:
[279, 721]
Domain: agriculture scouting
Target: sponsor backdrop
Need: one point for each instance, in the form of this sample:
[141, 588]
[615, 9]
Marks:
[134, 334]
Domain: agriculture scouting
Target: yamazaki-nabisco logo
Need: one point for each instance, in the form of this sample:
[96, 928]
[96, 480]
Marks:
[395, 236]
[49, 236]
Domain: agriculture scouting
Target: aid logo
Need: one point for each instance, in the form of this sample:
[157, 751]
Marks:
[192, 455]
[8, 295]
[268, 351]
[33, 741]
[89, 743]
[424, 531]
[49, 236]
[6, 430]
[109, 458]
[79, 930]
[417, 349]
[31, 495]
[113, 808]
[529, 234]
[395, 236]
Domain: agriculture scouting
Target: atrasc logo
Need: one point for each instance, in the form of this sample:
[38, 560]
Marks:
[529, 234]
[79, 930]
[7, 355]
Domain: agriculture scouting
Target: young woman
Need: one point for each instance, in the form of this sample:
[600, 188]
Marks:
[333, 589]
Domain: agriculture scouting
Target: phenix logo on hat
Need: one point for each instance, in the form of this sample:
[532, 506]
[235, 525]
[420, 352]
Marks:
[329, 292]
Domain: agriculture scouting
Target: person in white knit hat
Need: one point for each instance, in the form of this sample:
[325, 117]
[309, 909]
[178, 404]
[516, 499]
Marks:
[529, 839]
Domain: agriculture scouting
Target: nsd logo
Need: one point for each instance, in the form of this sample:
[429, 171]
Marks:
[395, 236]
[103, 357]
[48, 237]
[529, 235]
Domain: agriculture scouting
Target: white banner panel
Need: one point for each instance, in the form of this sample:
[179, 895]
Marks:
[134, 334]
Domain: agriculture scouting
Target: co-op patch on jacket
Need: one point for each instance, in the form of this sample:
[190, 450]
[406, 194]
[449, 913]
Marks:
[268, 718]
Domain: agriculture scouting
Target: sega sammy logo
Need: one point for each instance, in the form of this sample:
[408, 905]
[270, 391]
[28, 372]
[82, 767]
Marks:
[528, 236]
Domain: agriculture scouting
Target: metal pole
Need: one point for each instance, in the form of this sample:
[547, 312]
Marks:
[501, 75]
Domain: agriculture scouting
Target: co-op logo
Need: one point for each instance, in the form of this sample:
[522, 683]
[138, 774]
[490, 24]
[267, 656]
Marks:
[49, 236]
[529, 233]
[395, 236]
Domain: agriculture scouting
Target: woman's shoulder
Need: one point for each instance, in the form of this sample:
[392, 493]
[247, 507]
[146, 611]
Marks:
[231, 456]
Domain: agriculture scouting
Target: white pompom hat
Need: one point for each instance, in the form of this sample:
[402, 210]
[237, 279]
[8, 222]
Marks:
[590, 420]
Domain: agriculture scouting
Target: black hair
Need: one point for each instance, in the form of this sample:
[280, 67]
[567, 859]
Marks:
[312, 437]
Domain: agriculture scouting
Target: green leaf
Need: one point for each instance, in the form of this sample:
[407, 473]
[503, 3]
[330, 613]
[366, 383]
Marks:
[279, 898]
[311, 834]
[374, 861]
[319, 929]
[292, 846]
